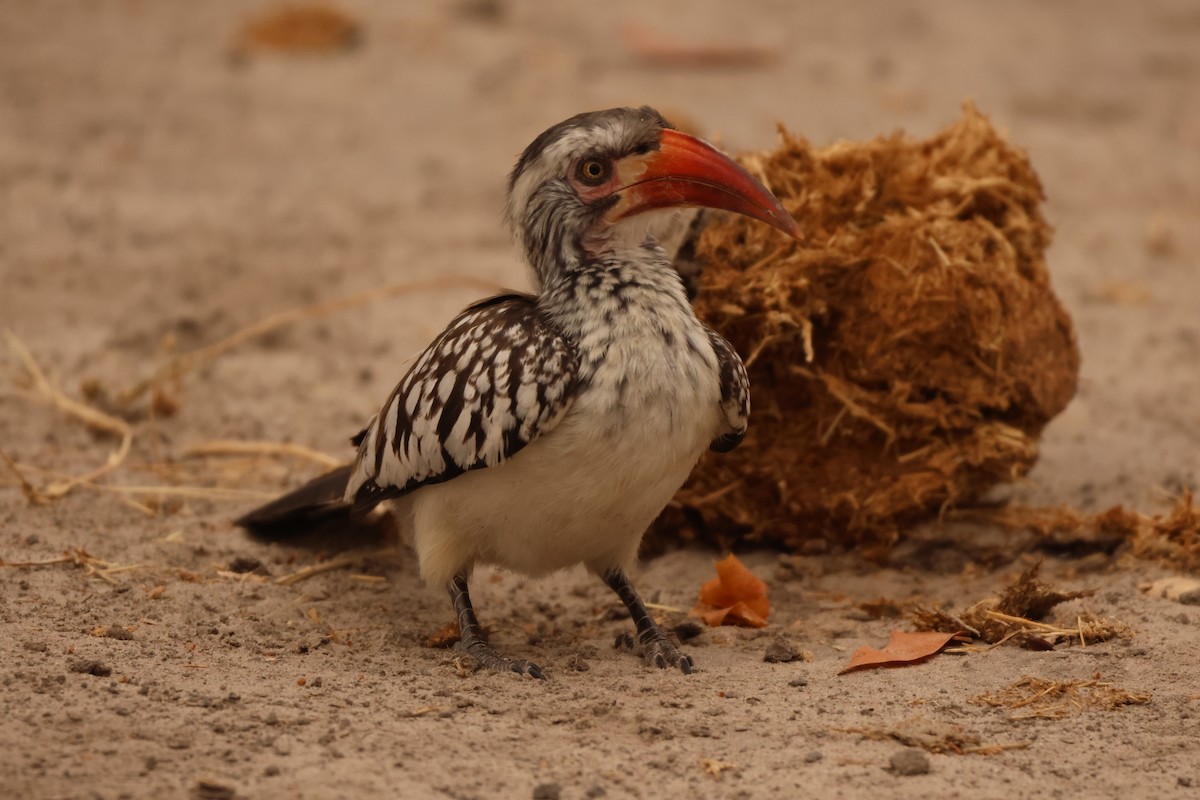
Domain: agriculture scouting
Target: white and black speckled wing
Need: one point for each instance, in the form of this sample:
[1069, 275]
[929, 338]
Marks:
[491, 383]
[735, 393]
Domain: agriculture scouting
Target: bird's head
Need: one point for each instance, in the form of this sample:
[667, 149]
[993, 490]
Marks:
[589, 185]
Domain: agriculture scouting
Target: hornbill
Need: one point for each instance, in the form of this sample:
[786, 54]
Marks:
[540, 431]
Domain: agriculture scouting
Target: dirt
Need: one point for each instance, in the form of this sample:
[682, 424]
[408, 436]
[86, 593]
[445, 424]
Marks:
[162, 187]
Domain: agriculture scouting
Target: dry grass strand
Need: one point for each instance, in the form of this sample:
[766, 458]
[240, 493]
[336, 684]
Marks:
[1040, 698]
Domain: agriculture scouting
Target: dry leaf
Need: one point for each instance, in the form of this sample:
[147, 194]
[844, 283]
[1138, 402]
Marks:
[735, 597]
[904, 647]
[444, 638]
[312, 28]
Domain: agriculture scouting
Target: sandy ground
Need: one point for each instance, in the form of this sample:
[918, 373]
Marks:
[157, 192]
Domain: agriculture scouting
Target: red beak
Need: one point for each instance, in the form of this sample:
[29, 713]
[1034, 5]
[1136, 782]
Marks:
[686, 171]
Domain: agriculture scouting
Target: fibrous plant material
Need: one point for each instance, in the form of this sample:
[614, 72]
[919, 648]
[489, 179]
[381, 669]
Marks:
[1015, 617]
[1171, 537]
[1039, 698]
[904, 358]
[172, 372]
[934, 738]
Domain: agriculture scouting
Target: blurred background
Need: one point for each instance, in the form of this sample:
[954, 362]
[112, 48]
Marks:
[172, 171]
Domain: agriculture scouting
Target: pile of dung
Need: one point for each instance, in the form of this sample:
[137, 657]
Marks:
[903, 358]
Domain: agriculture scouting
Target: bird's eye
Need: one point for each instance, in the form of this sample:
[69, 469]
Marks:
[593, 171]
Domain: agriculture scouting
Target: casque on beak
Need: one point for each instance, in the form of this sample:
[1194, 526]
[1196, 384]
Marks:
[686, 171]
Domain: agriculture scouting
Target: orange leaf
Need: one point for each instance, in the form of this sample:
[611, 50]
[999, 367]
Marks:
[734, 597]
[903, 648]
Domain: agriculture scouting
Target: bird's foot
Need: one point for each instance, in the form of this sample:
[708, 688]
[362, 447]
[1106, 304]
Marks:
[485, 657]
[657, 650]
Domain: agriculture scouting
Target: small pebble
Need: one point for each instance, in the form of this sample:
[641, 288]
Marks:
[813, 756]
[89, 667]
[547, 791]
[782, 650]
[208, 790]
[244, 564]
[910, 761]
[688, 629]
[798, 682]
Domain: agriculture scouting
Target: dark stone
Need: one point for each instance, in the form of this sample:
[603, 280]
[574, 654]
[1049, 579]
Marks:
[89, 667]
[910, 761]
[244, 564]
[207, 790]
[782, 650]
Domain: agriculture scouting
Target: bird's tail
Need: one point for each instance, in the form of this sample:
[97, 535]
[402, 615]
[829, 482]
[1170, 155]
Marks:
[315, 504]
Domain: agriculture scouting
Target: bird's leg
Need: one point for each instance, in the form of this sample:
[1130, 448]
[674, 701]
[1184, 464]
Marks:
[473, 641]
[657, 649]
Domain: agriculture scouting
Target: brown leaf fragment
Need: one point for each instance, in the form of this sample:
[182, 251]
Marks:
[301, 28]
[905, 647]
[735, 597]
[444, 638]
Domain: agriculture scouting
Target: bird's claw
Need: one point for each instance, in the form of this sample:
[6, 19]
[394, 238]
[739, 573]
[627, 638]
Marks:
[660, 652]
[484, 657]
[657, 650]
